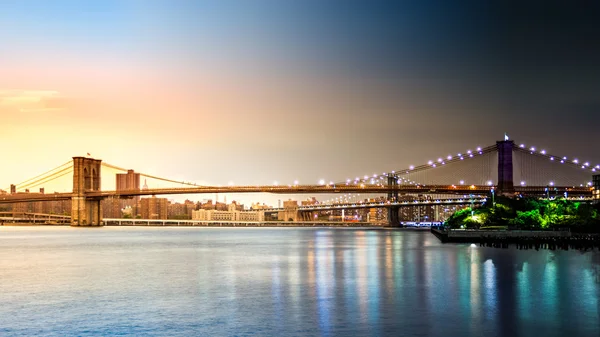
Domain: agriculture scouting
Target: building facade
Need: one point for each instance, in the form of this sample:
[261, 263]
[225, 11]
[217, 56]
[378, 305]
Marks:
[232, 214]
[154, 208]
[596, 183]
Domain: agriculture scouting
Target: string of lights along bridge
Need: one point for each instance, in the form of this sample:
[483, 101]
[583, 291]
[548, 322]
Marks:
[505, 168]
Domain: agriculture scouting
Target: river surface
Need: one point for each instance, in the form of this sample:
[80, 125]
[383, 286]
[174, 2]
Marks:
[136, 281]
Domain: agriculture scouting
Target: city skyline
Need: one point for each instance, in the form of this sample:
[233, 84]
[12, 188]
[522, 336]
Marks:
[215, 92]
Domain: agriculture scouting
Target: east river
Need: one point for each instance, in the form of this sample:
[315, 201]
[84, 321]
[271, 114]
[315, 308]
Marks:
[62, 281]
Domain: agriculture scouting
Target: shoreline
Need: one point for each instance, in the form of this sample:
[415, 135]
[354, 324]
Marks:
[551, 240]
[233, 225]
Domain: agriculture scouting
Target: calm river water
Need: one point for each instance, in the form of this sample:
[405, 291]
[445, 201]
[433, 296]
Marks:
[286, 282]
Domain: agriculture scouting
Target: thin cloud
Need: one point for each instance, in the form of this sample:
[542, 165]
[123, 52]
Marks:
[33, 100]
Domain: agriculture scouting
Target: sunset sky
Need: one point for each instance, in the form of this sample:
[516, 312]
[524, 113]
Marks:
[253, 92]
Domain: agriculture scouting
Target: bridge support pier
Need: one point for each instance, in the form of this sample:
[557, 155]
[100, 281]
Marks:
[505, 167]
[86, 178]
[86, 212]
[393, 216]
[393, 211]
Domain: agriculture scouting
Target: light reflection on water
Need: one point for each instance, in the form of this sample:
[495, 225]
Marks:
[292, 282]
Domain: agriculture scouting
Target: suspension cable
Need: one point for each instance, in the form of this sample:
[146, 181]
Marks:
[70, 162]
[41, 180]
[150, 176]
[51, 178]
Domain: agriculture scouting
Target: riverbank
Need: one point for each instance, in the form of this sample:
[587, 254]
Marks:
[21, 224]
[552, 240]
[151, 223]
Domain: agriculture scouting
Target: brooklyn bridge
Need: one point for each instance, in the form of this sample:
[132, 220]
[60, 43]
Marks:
[465, 178]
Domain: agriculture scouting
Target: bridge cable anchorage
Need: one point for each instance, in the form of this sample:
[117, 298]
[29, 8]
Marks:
[70, 163]
[47, 179]
[148, 175]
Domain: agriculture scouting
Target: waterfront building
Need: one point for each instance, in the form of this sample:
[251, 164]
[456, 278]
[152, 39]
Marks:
[154, 208]
[181, 210]
[290, 211]
[231, 214]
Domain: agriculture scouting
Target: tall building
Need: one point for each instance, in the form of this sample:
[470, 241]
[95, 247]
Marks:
[154, 208]
[128, 181]
[112, 208]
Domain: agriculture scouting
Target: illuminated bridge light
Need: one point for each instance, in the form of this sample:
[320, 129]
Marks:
[543, 152]
[478, 148]
[532, 149]
[564, 158]
[440, 160]
[430, 162]
[449, 157]
[576, 161]
[586, 164]
[562, 161]
[552, 158]
[469, 151]
[461, 158]
[471, 155]
[522, 146]
[522, 183]
[412, 167]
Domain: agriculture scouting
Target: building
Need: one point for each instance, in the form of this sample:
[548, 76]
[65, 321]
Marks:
[290, 211]
[113, 207]
[218, 206]
[128, 181]
[232, 214]
[596, 183]
[181, 211]
[154, 208]
[258, 206]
